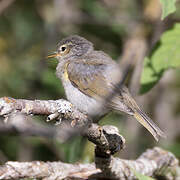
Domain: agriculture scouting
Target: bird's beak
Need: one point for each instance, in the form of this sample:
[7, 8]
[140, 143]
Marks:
[52, 55]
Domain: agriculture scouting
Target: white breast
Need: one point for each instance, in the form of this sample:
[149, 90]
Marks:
[84, 103]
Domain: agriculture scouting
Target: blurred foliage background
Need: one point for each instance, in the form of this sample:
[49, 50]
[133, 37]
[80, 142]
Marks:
[30, 30]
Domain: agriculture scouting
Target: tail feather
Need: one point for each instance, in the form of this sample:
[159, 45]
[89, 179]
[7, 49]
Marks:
[149, 124]
[125, 103]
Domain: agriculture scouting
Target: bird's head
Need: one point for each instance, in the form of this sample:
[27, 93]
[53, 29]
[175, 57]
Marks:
[72, 47]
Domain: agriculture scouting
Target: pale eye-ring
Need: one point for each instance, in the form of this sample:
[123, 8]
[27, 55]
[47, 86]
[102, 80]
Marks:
[63, 48]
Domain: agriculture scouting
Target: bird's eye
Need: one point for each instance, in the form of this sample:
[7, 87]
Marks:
[64, 49]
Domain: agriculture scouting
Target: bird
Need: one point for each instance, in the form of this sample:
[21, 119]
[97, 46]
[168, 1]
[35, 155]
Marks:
[90, 76]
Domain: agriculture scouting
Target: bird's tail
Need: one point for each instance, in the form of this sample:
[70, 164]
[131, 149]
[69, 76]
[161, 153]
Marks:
[125, 103]
[148, 124]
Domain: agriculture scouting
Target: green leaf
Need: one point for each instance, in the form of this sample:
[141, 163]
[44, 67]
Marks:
[165, 55]
[140, 176]
[168, 7]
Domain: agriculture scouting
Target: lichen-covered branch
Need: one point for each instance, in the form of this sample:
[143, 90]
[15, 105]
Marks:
[73, 121]
[39, 169]
[106, 138]
[153, 162]
[54, 109]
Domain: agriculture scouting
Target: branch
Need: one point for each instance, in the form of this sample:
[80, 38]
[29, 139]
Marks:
[153, 162]
[73, 121]
[60, 109]
[106, 138]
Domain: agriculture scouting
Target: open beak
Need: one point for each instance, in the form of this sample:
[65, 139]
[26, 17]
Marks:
[52, 55]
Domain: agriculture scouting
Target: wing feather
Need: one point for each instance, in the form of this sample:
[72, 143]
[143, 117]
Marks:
[88, 78]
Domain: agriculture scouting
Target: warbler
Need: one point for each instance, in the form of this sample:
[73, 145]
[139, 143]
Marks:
[89, 77]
